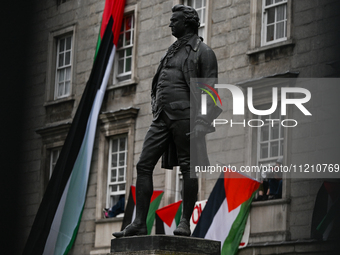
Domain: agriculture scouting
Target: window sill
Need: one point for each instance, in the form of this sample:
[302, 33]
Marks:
[59, 101]
[123, 84]
[289, 42]
[107, 220]
[270, 202]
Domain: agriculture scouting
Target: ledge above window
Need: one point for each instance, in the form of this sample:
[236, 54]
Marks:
[133, 81]
[289, 42]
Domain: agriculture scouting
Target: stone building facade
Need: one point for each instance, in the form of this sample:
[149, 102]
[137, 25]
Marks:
[252, 39]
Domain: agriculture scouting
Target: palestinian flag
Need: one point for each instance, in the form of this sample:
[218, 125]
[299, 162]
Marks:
[168, 217]
[130, 211]
[325, 220]
[57, 221]
[225, 214]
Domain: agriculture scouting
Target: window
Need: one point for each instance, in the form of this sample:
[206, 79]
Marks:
[274, 18]
[53, 160]
[124, 60]
[270, 25]
[63, 67]
[116, 170]
[60, 65]
[201, 7]
[270, 137]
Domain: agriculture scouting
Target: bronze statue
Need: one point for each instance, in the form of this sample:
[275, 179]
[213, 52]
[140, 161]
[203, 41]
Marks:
[173, 110]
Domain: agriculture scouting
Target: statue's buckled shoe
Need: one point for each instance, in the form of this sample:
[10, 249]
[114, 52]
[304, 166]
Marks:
[183, 228]
[131, 230]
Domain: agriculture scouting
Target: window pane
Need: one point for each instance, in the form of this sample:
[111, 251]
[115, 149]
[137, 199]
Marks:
[270, 33]
[121, 187]
[275, 115]
[280, 12]
[113, 175]
[122, 159]
[275, 131]
[55, 155]
[201, 31]
[122, 27]
[67, 58]
[203, 17]
[274, 149]
[264, 151]
[60, 89]
[61, 75]
[114, 160]
[128, 65]
[120, 41]
[121, 174]
[114, 145]
[122, 144]
[280, 33]
[61, 45]
[121, 66]
[68, 74]
[269, 2]
[271, 15]
[199, 12]
[277, 1]
[61, 59]
[198, 4]
[128, 52]
[67, 88]
[121, 54]
[128, 24]
[68, 43]
[127, 38]
[264, 133]
[114, 188]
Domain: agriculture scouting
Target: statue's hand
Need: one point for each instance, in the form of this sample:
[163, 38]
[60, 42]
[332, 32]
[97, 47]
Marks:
[200, 130]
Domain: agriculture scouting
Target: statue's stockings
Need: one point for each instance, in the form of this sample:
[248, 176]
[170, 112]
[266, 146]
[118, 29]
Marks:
[144, 190]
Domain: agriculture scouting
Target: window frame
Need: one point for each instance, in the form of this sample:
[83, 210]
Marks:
[63, 67]
[264, 25]
[256, 29]
[109, 193]
[51, 75]
[53, 138]
[280, 139]
[118, 79]
[52, 162]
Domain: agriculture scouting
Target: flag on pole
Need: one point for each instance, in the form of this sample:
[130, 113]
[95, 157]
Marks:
[57, 220]
[130, 211]
[225, 214]
[168, 217]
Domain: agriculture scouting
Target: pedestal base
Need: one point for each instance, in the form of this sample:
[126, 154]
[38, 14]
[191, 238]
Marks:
[165, 245]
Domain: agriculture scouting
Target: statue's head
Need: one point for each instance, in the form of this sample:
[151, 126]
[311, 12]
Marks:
[184, 20]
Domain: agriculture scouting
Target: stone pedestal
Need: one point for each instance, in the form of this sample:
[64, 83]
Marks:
[165, 245]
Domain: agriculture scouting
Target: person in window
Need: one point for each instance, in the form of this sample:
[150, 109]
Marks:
[275, 184]
[262, 193]
[118, 208]
[173, 111]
